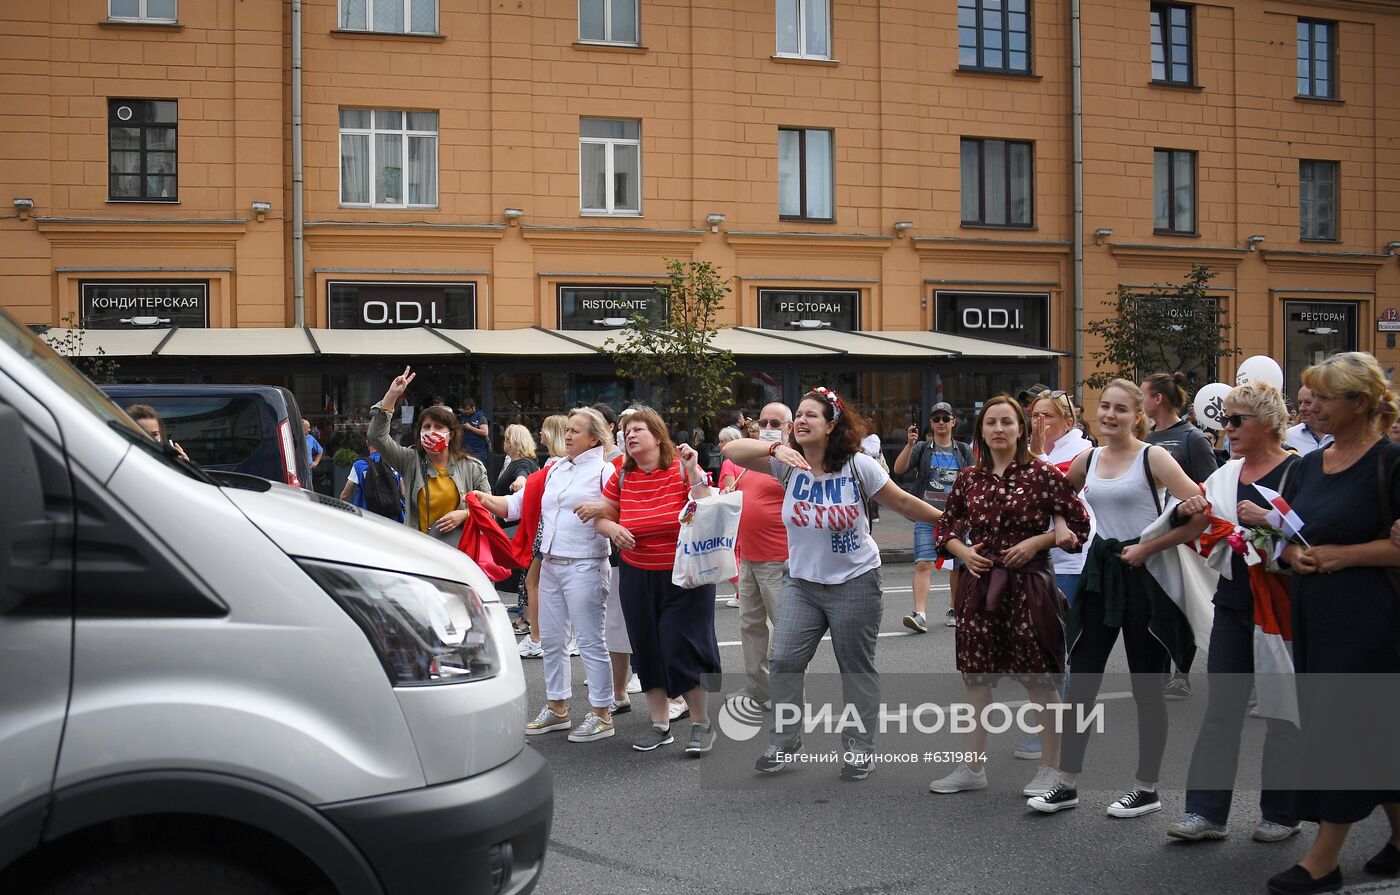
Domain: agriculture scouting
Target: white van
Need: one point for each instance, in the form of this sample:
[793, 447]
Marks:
[228, 686]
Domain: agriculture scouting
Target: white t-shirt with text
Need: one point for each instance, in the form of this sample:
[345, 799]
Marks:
[828, 530]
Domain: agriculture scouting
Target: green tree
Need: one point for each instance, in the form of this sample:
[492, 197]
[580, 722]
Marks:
[69, 343]
[691, 376]
[1169, 328]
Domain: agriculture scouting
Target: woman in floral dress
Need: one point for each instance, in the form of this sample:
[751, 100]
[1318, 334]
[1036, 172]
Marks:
[1011, 618]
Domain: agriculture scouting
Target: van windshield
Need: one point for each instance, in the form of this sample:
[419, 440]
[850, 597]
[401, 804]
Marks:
[53, 365]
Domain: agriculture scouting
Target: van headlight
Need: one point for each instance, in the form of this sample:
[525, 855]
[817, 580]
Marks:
[424, 630]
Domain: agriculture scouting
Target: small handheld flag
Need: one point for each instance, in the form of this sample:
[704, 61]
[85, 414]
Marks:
[1281, 515]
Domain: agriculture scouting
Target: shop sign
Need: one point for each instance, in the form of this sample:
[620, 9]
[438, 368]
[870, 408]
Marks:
[1389, 321]
[128, 305]
[608, 307]
[1017, 318]
[379, 305]
[795, 311]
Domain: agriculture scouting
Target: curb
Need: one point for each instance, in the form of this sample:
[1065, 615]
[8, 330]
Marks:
[896, 554]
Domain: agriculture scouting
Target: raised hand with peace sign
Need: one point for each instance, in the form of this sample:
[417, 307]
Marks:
[397, 388]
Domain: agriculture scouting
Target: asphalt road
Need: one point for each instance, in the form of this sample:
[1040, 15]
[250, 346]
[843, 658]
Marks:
[630, 822]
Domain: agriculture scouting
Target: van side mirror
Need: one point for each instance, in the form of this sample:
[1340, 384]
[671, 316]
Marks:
[26, 534]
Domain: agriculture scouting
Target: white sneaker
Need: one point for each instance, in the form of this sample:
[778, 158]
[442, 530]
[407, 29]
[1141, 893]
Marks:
[964, 779]
[572, 646]
[634, 684]
[678, 709]
[1044, 780]
[530, 649]
[732, 602]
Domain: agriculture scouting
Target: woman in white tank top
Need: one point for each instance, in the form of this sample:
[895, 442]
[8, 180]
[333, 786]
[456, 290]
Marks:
[1122, 483]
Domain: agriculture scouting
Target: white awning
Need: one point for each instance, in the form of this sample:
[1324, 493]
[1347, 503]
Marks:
[415, 342]
[858, 344]
[529, 341]
[237, 342]
[111, 342]
[962, 346]
[747, 342]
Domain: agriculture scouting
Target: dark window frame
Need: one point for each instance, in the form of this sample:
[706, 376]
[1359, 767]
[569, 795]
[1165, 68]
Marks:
[1161, 13]
[802, 175]
[981, 143]
[980, 48]
[113, 122]
[1332, 30]
[1334, 222]
[1173, 229]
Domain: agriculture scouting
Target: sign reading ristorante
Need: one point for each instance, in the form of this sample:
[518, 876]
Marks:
[129, 305]
[608, 307]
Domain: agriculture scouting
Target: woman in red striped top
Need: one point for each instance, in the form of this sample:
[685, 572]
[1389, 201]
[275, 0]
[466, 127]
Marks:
[672, 629]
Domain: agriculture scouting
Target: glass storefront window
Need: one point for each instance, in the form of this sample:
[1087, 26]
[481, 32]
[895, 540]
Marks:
[885, 399]
[1311, 331]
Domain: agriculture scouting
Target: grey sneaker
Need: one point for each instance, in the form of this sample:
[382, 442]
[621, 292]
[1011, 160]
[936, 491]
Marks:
[1029, 749]
[950, 618]
[916, 622]
[963, 779]
[546, 721]
[593, 727]
[1044, 780]
[652, 739]
[1268, 831]
[1194, 828]
[774, 759]
[702, 740]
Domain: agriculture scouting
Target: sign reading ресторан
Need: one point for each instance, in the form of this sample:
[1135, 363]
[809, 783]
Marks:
[608, 307]
[792, 311]
[389, 305]
[155, 305]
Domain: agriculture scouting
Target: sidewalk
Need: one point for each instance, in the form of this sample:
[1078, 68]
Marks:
[895, 535]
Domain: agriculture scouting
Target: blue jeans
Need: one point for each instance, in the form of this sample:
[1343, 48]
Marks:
[924, 551]
[1068, 585]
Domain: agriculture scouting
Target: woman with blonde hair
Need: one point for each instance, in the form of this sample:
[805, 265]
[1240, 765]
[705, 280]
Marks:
[1256, 419]
[520, 449]
[1117, 595]
[552, 439]
[1346, 618]
[573, 576]
[552, 435]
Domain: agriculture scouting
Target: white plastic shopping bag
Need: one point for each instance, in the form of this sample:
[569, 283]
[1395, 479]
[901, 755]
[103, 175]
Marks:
[705, 551]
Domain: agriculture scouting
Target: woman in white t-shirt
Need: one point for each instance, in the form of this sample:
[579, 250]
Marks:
[832, 581]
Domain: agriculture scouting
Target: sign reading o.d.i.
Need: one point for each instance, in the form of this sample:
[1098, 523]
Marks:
[796, 311]
[156, 305]
[608, 307]
[373, 305]
[1020, 319]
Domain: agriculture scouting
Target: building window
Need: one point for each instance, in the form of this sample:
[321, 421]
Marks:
[804, 28]
[804, 174]
[1317, 52]
[998, 186]
[389, 16]
[375, 144]
[1317, 199]
[994, 35]
[1171, 43]
[608, 21]
[1174, 191]
[162, 11]
[610, 166]
[141, 150]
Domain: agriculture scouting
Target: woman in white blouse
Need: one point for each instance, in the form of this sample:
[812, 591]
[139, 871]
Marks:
[574, 576]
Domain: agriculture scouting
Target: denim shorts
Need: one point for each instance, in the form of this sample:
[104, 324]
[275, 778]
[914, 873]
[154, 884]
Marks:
[923, 546]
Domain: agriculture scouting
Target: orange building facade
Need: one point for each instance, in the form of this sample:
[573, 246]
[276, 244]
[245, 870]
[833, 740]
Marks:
[883, 180]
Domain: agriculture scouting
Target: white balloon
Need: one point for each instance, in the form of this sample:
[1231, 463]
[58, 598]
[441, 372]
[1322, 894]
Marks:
[1260, 367]
[1210, 405]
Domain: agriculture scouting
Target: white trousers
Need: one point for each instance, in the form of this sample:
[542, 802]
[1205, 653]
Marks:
[614, 625]
[575, 592]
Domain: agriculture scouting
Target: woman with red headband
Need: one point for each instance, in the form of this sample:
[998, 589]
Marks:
[832, 582]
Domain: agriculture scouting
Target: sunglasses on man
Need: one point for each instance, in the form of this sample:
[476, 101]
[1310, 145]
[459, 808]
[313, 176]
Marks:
[941, 418]
[771, 424]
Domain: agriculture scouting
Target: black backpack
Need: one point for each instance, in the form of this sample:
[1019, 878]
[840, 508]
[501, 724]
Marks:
[379, 489]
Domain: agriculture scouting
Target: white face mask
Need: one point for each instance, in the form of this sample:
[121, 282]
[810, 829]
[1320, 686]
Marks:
[770, 434]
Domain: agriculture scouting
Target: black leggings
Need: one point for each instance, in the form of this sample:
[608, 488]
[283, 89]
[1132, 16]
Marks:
[1149, 662]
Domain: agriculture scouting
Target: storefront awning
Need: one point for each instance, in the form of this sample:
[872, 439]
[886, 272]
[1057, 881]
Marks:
[858, 344]
[235, 342]
[110, 342]
[530, 341]
[416, 342]
[962, 346]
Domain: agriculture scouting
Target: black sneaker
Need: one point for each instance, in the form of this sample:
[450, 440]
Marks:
[654, 738]
[1061, 796]
[1135, 804]
[858, 765]
[775, 759]
[1297, 881]
[1385, 863]
[1177, 689]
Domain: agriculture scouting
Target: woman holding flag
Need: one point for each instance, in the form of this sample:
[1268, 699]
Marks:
[1252, 621]
[1346, 614]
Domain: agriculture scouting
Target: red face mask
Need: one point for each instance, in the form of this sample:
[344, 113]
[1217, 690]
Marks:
[433, 442]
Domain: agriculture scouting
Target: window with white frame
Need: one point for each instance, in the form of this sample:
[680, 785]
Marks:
[389, 16]
[388, 158]
[804, 28]
[805, 174]
[610, 166]
[141, 10]
[608, 21]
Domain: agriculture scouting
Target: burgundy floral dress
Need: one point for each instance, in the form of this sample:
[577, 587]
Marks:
[998, 512]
